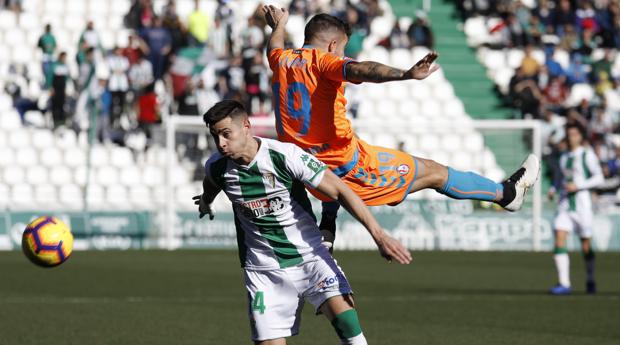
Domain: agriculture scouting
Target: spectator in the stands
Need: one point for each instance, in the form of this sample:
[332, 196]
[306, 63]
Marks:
[16, 86]
[86, 70]
[554, 67]
[118, 84]
[257, 84]
[577, 72]
[529, 65]
[47, 44]
[419, 32]
[603, 122]
[219, 39]
[60, 72]
[160, 43]
[359, 32]
[562, 15]
[556, 93]
[148, 112]
[198, 26]
[525, 95]
[140, 14]
[141, 75]
[88, 39]
[135, 47]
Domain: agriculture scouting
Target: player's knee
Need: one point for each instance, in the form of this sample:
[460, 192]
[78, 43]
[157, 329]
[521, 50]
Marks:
[434, 174]
[348, 327]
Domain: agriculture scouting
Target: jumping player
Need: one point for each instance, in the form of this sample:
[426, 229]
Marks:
[309, 104]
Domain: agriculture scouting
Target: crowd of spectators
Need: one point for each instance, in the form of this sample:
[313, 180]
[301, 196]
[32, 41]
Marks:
[586, 31]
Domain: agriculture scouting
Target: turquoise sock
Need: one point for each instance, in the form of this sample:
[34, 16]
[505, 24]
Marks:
[469, 185]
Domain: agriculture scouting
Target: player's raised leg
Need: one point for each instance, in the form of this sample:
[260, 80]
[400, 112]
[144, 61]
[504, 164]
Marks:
[457, 184]
[562, 263]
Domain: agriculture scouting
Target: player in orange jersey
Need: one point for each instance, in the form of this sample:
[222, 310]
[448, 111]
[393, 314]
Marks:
[309, 103]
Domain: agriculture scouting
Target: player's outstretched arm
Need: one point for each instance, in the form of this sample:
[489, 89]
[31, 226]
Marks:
[389, 248]
[276, 19]
[206, 198]
[375, 72]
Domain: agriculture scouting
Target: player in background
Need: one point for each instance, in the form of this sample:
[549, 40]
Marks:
[279, 241]
[580, 173]
[309, 104]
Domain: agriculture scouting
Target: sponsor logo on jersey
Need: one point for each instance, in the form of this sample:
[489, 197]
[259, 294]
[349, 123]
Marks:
[261, 207]
[311, 163]
[403, 169]
[328, 282]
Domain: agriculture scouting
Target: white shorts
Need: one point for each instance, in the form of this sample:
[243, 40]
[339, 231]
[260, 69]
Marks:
[276, 297]
[574, 222]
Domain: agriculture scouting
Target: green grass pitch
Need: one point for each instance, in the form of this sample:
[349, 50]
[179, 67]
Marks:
[197, 297]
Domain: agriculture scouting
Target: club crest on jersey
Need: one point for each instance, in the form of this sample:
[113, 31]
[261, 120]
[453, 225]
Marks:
[403, 169]
[311, 163]
[270, 178]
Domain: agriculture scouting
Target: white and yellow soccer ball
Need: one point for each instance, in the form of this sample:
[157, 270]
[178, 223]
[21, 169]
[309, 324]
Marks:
[47, 241]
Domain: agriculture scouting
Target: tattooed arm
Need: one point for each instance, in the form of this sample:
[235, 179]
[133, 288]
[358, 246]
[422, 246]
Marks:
[374, 72]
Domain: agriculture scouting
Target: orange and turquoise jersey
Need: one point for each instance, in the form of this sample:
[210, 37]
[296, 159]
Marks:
[309, 104]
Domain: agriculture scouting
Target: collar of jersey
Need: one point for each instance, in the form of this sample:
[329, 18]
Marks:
[261, 144]
[307, 46]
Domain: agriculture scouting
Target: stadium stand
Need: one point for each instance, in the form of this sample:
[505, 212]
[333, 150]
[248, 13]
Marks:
[44, 163]
[556, 61]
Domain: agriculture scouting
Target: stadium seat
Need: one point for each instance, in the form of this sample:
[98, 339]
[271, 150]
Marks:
[578, 93]
[74, 157]
[494, 59]
[15, 36]
[502, 78]
[19, 138]
[431, 109]
[159, 195]
[99, 156]
[515, 58]
[36, 175]
[5, 197]
[29, 21]
[440, 156]
[476, 30]
[7, 156]
[79, 176]
[407, 107]
[42, 138]
[95, 196]
[473, 142]
[562, 57]
[419, 91]
[451, 142]
[385, 140]
[46, 197]
[13, 175]
[120, 7]
[98, 8]
[401, 58]
[396, 91]
[66, 140]
[22, 53]
[152, 176]
[107, 176]
[428, 142]
[116, 197]
[184, 194]
[70, 196]
[7, 20]
[140, 197]
[130, 176]
[454, 108]
[21, 197]
[56, 7]
[180, 176]
[60, 175]
[379, 54]
[443, 91]
[26, 157]
[375, 91]
[121, 157]
[461, 160]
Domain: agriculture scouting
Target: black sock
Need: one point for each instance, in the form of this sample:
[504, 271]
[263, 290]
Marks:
[589, 259]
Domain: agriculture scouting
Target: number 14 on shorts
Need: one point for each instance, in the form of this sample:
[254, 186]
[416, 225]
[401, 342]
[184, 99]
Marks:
[259, 302]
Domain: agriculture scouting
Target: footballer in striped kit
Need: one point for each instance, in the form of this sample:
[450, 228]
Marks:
[47, 241]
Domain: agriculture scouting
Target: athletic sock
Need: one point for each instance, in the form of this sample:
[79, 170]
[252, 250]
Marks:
[589, 259]
[562, 264]
[469, 185]
[328, 223]
[347, 325]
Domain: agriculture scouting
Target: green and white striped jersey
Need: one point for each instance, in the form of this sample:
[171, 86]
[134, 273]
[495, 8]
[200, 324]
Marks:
[581, 167]
[273, 216]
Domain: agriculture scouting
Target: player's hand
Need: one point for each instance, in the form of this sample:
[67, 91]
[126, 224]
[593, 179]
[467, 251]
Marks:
[275, 16]
[423, 68]
[571, 187]
[203, 207]
[392, 249]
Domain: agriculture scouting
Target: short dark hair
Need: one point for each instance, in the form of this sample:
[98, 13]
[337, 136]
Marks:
[324, 22]
[580, 128]
[223, 109]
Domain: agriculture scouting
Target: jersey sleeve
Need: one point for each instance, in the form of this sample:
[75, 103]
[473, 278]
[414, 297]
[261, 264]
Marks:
[274, 57]
[333, 67]
[214, 171]
[305, 167]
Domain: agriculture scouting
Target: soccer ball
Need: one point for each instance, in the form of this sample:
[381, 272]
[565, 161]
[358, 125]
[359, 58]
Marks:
[47, 241]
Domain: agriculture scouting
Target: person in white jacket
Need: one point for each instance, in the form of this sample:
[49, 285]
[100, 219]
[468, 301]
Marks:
[581, 172]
